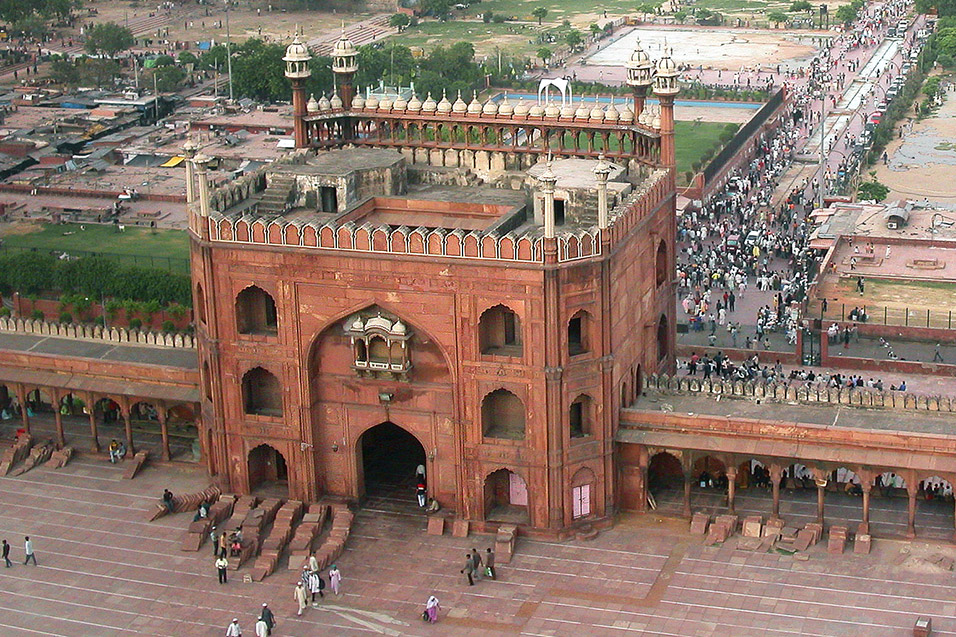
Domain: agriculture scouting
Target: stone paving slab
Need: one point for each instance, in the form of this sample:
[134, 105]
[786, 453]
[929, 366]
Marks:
[104, 571]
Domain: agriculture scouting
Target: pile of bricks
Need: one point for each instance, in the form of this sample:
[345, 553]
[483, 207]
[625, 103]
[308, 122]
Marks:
[199, 530]
[699, 523]
[272, 547]
[15, 453]
[188, 501]
[722, 528]
[300, 548]
[60, 457]
[837, 540]
[335, 542]
[37, 456]
[139, 459]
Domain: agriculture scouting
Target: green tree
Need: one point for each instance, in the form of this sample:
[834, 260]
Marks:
[680, 16]
[873, 190]
[168, 78]
[646, 8]
[540, 13]
[108, 38]
[186, 57]
[399, 21]
[258, 71]
[64, 71]
[437, 8]
[846, 14]
[545, 54]
[595, 30]
[573, 39]
[777, 17]
[801, 6]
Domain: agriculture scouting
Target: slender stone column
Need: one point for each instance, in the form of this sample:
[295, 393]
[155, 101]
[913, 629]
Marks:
[776, 474]
[161, 414]
[22, 397]
[911, 492]
[867, 487]
[687, 484]
[128, 423]
[821, 495]
[94, 432]
[58, 419]
[731, 488]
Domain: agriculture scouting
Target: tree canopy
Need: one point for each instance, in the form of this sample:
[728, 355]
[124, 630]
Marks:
[13, 11]
[108, 38]
[540, 13]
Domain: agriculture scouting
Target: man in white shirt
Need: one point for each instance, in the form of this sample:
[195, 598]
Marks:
[233, 630]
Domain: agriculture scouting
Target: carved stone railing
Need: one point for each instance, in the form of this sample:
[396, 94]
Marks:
[97, 333]
[800, 392]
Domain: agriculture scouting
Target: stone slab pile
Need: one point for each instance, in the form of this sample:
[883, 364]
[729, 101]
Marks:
[300, 547]
[15, 453]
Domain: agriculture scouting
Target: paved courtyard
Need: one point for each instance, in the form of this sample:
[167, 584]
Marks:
[104, 570]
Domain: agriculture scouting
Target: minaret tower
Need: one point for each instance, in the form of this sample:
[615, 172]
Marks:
[297, 70]
[666, 88]
[640, 76]
[344, 66]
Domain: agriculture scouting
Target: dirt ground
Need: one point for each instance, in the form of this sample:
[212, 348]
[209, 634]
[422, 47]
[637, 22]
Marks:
[923, 163]
[244, 21]
[897, 294]
[711, 48]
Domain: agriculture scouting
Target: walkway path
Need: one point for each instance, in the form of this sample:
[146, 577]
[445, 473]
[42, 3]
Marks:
[105, 571]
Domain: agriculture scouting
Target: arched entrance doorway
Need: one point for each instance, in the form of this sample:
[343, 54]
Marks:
[506, 498]
[268, 473]
[389, 457]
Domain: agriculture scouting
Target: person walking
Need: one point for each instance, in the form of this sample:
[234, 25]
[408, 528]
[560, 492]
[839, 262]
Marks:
[223, 544]
[221, 565]
[937, 355]
[6, 553]
[301, 597]
[335, 578]
[431, 609]
[490, 564]
[316, 585]
[469, 570]
[233, 629]
[28, 549]
[262, 629]
[267, 616]
[476, 563]
[214, 538]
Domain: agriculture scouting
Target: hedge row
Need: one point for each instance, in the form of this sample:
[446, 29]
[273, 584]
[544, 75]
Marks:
[31, 273]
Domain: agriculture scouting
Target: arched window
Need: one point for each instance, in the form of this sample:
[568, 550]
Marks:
[581, 416]
[499, 332]
[661, 263]
[662, 338]
[256, 312]
[200, 309]
[261, 393]
[503, 415]
[579, 333]
[377, 350]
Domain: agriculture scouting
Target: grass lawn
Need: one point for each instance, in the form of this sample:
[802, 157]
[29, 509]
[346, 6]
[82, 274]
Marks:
[513, 40]
[692, 139]
[583, 13]
[166, 249]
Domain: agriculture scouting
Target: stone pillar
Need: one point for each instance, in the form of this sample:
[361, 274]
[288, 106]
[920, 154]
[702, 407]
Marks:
[94, 432]
[731, 487]
[821, 495]
[299, 111]
[547, 181]
[161, 414]
[128, 424]
[688, 481]
[58, 419]
[911, 490]
[776, 475]
[867, 487]
[22, 397]
[189, 151]
[601, 171]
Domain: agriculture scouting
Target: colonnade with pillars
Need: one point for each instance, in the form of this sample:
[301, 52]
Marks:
[695, 464]
[92, 400]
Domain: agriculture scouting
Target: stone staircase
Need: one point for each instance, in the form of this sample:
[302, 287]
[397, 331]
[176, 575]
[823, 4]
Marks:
[276, 195]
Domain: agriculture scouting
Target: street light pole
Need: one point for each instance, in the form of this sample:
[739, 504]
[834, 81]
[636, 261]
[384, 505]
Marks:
[823, 104]
[228, 52]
